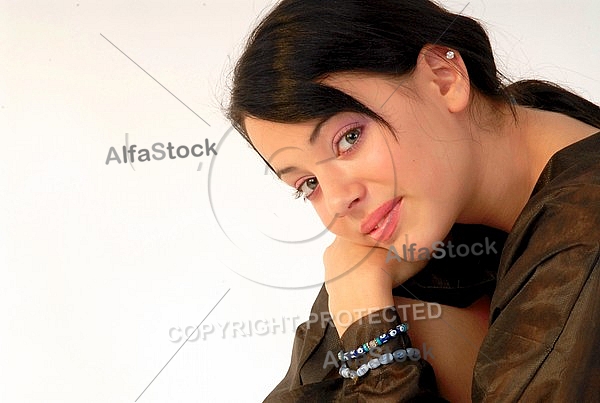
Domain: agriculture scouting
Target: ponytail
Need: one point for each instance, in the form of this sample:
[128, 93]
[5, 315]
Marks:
[553, 98]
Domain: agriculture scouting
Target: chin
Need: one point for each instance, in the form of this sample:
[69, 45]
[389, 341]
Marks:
[415, 247]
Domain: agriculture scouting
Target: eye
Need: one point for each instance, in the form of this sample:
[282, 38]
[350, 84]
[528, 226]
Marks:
[306, 188]
[348, 139]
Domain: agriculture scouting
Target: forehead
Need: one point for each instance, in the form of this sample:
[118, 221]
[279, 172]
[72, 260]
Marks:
[269, 138]
[371, 90]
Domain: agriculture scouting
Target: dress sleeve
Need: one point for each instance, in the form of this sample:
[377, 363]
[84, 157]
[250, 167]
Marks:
[544, 340]
[545, 344]
[313, 373]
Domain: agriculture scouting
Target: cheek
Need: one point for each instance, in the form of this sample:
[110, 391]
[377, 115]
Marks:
[327, 218]
[378, 162]
[424, 167]
[383, 161]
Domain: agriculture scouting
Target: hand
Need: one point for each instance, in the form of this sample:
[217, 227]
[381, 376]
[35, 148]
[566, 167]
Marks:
[359, 281]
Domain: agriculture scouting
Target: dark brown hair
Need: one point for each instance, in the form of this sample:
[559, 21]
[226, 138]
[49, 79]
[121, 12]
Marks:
[302, 41]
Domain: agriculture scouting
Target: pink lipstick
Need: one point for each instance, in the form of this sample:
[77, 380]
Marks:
[381, 223]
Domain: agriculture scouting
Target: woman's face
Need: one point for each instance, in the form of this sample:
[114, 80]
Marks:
[367, 184]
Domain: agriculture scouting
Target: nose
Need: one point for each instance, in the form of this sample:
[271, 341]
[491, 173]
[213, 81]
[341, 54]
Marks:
[343, 192]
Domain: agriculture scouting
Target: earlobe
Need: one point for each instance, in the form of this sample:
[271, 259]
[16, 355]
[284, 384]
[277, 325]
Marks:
[448, 73]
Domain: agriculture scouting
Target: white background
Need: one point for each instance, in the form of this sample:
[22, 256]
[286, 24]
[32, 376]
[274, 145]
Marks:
[98, 262]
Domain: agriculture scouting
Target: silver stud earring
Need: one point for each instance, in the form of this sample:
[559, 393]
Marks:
[449, 55]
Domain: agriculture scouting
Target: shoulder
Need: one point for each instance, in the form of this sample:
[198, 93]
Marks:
[545, 314]
[564, 210]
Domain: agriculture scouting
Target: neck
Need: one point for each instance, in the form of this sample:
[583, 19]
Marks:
[510, 160]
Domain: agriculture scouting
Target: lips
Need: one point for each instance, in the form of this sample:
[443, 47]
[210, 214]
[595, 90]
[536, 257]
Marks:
[381, 223]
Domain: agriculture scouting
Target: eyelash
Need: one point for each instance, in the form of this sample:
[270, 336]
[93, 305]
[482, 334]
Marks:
[299, 193]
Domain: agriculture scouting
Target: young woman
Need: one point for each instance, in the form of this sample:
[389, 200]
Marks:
[391, 118]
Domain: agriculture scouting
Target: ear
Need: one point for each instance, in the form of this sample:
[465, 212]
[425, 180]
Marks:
[448, 75]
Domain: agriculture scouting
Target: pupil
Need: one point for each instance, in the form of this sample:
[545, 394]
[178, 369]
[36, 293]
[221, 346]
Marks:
[352, 136]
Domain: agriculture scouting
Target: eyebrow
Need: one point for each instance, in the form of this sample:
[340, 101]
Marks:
[314, 136]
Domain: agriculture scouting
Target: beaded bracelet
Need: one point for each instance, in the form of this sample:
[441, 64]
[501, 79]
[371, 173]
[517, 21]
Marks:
[376, 342]
[399, 356]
